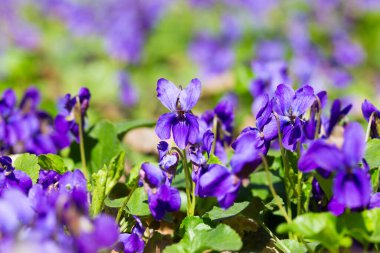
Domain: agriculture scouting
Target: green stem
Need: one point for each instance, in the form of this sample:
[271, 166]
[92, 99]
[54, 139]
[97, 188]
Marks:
[369, 126]
[81, 139]
[283, 246]
[125, 203]
[190, 208]
[318, 127]
[273, 191]
[286, 166]
[299, 182]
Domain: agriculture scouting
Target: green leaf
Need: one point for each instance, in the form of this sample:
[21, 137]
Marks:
[319, 227]
[138, 203]
[114, 203]
[126, 126]
[372, 153]
[374, 179]
[218, 213]
[99, 183]
[260, 186]
[214, 160]
[198, 237]
[28, 163]
[133, 176]
[52, 162]
[115, 171]
[325, 183]
[107, 147]
[293, 246]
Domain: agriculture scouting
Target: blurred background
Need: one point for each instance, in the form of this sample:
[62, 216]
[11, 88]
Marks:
[120, 48]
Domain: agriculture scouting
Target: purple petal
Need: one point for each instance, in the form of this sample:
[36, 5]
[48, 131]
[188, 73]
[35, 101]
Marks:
[163, 149]
[189, 96]
[321, 155]
[303, 100]
[152, 175]
[375, 201]
[283, 99]
[367, 109]
[164, 125]
[217, 181]
[181, 133]
[354, 143]
[192, 121]
[208, 139]
[270, 130]
[352, 189]
[175, 200]
[167, 93]
[335, 208]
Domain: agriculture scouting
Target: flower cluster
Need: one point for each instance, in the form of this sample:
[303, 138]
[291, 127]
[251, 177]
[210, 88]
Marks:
[26, 128]
[50, 215]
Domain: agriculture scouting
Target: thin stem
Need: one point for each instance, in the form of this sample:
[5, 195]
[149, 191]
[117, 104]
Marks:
[299, 182]
[369, 126]
[188, 180]
[125, 203]
[273, 191]
[215, 131]
[283, 246]
[318, 127]
[286, 165]
[81, 139]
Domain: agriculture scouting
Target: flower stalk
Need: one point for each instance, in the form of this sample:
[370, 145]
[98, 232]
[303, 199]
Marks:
[78, 113]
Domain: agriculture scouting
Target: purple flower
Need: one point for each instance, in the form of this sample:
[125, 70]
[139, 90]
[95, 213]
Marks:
[162, 197]
[101, 234]
[267, 76]
[217, 181]
[351, 186]
[180, 121]
[253, 142]
[133, 242]
[368, 110]
[290, 107]
[11, 178]
[68, 108]
[128, 93]
[168, 161]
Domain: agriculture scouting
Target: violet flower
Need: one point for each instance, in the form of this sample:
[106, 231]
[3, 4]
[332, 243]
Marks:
[252, 142]
[128, 93]
[162, 197]
[133, 242]
[368, 110]
[217, 181]
[180, 121]
[68, 108]
[290, 107]
[352, 185]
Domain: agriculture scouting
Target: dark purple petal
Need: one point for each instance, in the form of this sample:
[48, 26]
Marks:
[352, 189]
[167, 93]
[208, 139]
[152, 175]
[216, 181]
[321, 155]
[292, 134]
[106, 231]
[367, 109]
[181, 133]
[304, 98]
[175, 200]
[164, 125]
[163, 149]
[132, 243]
[189, 96]
[192, 121]
[31, 100]
[354, 143]
[73, 180]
